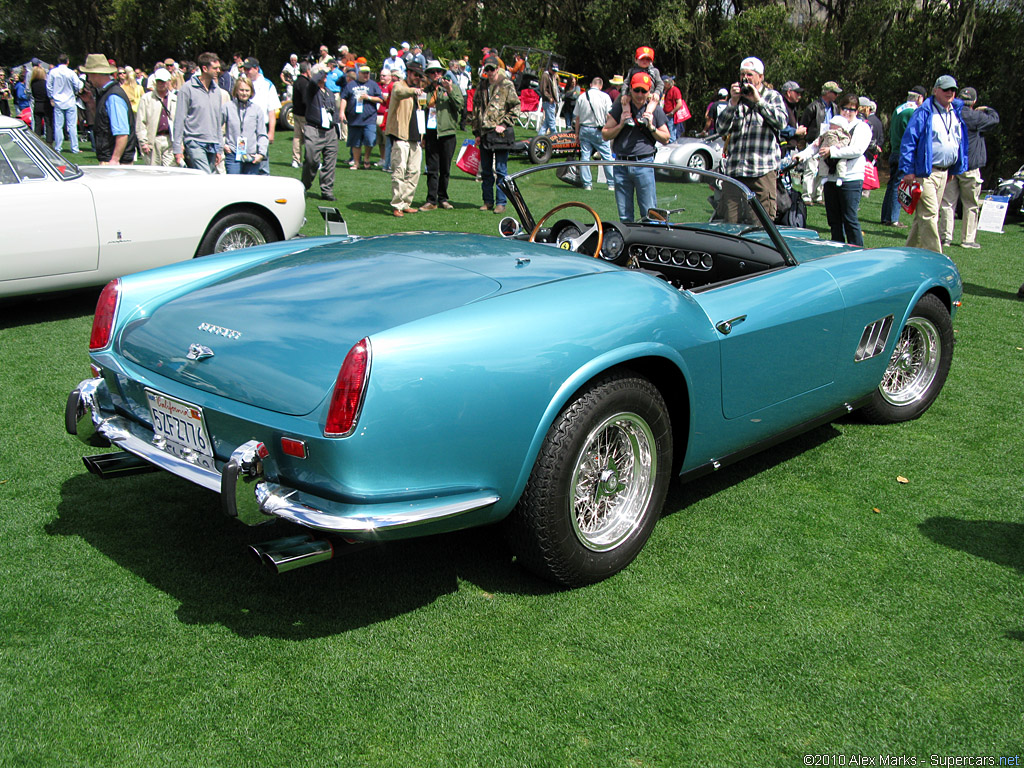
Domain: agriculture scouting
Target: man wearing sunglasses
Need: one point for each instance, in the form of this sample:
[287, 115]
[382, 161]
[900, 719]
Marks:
[632, 140]
[934, 147]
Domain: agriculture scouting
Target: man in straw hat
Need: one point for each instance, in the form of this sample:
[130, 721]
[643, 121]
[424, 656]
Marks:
[114, 128]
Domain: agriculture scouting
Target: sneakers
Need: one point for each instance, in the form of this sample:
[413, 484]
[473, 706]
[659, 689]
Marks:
[611, 187]
[587, 188]
[969, 245]
[295, 164]
[897, 224]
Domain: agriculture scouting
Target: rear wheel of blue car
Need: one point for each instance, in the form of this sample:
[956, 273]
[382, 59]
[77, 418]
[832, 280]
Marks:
[918, 366]
[598, 486]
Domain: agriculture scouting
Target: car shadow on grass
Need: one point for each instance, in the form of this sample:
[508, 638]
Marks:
[993, 540]
[682, 495]
[172, 534]
[21, 311]
[981, 291]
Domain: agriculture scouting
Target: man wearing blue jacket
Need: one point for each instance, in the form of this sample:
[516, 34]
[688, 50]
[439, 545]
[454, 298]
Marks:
[934, 147]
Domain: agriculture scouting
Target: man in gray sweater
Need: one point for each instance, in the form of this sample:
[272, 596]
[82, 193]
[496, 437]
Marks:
[196, 135]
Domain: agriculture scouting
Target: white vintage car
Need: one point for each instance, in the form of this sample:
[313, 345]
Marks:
[70, 227]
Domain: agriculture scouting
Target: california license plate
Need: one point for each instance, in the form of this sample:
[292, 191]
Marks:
[179, 422]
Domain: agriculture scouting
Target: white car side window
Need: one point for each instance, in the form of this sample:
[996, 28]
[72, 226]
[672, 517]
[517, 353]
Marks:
[25, 168]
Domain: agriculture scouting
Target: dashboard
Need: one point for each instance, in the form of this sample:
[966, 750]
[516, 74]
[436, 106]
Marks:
[685, 257]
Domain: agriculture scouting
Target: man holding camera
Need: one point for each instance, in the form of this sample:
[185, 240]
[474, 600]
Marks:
[752, 121]
[444, 105]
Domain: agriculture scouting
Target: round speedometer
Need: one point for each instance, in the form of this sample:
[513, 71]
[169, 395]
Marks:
[567, 234]
[613, 245]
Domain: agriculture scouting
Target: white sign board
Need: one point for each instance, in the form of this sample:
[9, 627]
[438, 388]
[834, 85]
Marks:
[993, 213]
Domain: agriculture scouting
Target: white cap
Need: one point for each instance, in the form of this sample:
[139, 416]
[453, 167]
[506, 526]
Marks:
[753, 64]
[394, 51]
[162, 74]
[405, 46]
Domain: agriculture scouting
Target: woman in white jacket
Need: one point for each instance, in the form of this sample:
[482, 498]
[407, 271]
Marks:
[844, 183]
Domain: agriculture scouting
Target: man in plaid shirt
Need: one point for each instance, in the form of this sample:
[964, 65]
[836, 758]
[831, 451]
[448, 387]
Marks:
[751, 121]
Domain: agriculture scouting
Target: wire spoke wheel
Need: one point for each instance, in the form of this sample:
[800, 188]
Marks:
[239, 236]
[613, 481]
[914, 363]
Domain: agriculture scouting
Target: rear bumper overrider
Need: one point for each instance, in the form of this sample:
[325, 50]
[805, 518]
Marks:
[244, 483]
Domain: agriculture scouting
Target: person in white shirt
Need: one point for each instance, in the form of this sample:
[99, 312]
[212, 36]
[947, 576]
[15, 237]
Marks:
[62, 87]
[264, 94]
[589, 117]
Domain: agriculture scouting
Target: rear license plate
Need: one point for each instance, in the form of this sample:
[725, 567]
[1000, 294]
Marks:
[179, 422]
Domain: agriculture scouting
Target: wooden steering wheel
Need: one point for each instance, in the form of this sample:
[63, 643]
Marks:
[575, 243]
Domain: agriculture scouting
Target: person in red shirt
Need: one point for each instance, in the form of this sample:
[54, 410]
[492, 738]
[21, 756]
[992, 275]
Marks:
[675, 108]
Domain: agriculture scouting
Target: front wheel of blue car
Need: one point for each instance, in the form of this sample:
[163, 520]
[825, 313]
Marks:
[918, 366]
[598, 486]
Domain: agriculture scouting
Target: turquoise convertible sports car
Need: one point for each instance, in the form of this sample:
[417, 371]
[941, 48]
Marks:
[555, 378]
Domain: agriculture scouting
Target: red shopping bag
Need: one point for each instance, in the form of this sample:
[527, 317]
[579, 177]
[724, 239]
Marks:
[469, 157]
[870, 177]
[683, 114]
[909, 193]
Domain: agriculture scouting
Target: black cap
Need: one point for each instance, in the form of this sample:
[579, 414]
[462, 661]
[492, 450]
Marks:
[251, 63]
[492, 61]
[919, 90]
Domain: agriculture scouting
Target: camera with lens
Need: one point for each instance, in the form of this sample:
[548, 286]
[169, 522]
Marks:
[746, 89]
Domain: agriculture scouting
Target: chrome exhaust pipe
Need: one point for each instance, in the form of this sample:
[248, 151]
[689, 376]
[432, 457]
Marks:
[293, 552]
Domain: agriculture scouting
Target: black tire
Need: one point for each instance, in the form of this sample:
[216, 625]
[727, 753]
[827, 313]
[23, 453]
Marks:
[540, 149]
[575, 523]
[285, 120]
[237, 230]
[918, 367]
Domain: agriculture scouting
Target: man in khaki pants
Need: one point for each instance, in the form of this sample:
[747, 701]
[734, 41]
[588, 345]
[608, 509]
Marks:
[934, 147]
[406, 125]
[967, 186]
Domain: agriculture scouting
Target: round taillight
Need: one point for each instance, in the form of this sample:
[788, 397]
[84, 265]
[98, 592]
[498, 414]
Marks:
[349, 389]
[106, 311]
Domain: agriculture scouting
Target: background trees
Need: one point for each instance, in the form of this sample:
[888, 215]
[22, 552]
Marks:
[876, 47]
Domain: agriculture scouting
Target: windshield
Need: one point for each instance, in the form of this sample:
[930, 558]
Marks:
[684, 197]
[32, 145]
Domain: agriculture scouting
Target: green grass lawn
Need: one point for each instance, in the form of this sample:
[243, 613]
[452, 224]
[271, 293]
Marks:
[803, 601]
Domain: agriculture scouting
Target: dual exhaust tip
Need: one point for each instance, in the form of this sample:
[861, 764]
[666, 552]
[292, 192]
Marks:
[287, 554]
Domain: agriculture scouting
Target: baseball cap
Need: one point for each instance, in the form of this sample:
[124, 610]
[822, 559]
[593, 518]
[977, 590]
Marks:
[394, 52]
[616, 80]
[723, 92]
[969, 94]
[492, 61]
[645, 51]
[865, 101]
[792, 85]
[753, 64]
[945, 82]
[162, 74]
[364, 68]
[919, 90]
[641, 78]
[831, 85]
[251, 63]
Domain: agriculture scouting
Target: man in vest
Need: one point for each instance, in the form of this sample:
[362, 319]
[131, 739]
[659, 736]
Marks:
[114, 129]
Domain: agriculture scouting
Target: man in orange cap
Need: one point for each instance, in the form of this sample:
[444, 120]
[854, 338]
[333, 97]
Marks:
[635, 141]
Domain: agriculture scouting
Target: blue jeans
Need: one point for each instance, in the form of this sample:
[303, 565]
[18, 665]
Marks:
[628, 179]
[200, 155]
[891, 203]
[387, 152]
[65, 119]
[841, 205]
[233, 166]
[499, 161]
[591, 142]
[550, 121]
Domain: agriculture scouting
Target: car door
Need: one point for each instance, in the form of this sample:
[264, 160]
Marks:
[779, 335]
[51, 224]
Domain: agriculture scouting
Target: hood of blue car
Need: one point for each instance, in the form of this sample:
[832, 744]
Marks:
[280, 330]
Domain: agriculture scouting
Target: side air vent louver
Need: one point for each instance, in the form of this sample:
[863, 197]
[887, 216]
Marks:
[873, 340]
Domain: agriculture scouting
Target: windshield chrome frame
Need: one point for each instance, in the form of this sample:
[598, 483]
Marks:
[511, 189]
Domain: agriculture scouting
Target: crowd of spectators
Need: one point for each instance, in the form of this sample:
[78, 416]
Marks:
[223, 119]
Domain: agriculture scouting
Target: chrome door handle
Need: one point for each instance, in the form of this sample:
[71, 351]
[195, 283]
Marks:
[725, 326]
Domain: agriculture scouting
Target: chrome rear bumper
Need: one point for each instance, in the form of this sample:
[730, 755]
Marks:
[242, 482]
